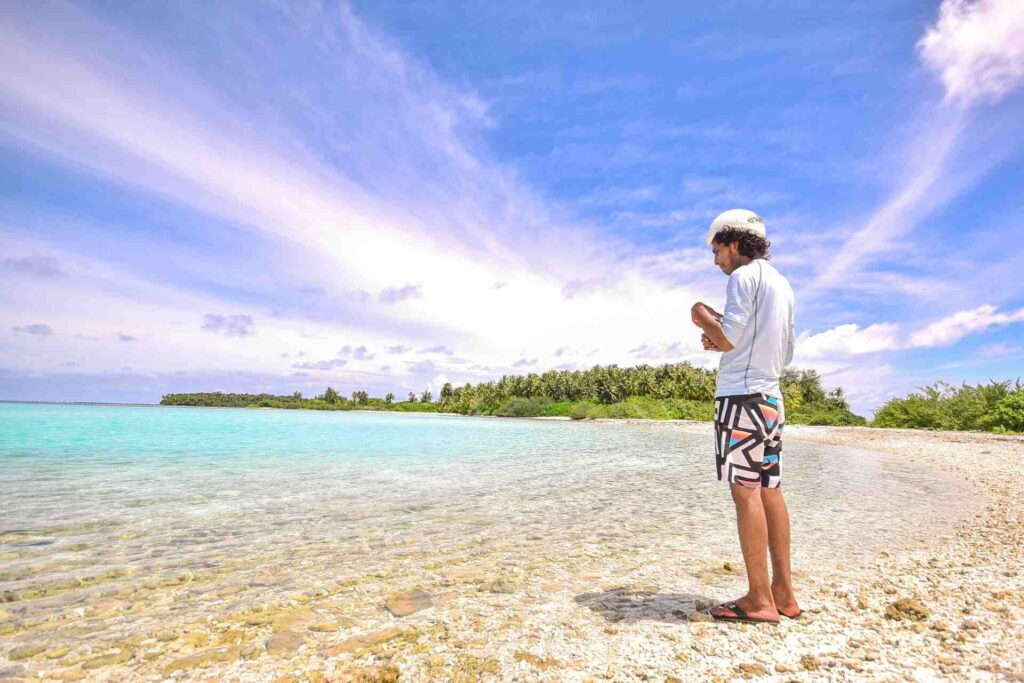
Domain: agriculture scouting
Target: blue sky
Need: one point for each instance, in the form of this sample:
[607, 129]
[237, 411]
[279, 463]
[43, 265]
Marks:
[387, 196]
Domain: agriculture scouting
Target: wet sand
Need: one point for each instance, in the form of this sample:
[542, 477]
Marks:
[527, 607]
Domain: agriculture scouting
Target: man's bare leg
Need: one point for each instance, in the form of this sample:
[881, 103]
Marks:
[752, 525]
[777, 516]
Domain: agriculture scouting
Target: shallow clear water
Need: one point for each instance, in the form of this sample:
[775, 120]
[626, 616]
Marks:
[104, 508]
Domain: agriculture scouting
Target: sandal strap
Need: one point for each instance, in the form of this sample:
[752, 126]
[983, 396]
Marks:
[738, 611]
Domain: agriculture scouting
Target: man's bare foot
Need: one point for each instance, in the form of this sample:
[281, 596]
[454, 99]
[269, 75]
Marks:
[786, 604]
[753, 610]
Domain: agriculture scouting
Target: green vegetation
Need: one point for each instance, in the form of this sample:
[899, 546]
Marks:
[807, 402]
[676, 391]
[645, 408]
[992, 407]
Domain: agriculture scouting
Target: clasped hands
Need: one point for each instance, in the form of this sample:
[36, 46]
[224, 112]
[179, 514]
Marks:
[699, 315]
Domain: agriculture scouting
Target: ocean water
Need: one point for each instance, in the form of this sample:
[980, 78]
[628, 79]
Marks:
[142, 516]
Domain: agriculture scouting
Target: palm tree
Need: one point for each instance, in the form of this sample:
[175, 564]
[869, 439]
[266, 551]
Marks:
[389, 399]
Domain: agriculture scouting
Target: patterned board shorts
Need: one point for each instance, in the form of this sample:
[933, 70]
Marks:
[748, 439]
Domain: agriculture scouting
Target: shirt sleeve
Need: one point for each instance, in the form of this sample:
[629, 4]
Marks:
[739, 300]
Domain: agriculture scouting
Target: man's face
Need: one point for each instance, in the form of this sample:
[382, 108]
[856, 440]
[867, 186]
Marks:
[726, 256]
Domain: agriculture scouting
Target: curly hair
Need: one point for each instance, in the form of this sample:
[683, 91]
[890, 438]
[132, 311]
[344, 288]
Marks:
[747, 243]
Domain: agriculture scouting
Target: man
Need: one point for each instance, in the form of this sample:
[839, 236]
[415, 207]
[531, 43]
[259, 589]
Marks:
[755, 336]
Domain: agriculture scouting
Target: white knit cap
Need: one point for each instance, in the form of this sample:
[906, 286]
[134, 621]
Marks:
[738, 219]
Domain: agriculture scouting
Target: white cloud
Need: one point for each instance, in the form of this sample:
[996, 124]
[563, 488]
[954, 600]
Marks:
[953, 328]
[471, 223]
[34, 265]
[926, 188]
[331, 364]
[40, 329]
[392, 295]
[977, 48]
[848, 340]
[231, 325]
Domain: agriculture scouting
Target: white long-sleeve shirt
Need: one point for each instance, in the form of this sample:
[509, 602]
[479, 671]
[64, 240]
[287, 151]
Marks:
[758, 321]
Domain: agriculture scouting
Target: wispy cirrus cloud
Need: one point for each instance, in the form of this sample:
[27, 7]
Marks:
[974, 47]
[455, 242]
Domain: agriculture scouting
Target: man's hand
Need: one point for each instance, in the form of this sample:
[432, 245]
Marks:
[709, 321]
[696, 310]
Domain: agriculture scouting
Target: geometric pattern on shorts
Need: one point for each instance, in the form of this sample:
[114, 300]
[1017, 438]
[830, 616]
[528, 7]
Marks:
[748, 439]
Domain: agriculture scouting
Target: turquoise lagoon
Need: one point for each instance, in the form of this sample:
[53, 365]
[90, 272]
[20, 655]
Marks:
[117, 520]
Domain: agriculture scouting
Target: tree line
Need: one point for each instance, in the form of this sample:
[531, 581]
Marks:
[992, 407]
[672, 390]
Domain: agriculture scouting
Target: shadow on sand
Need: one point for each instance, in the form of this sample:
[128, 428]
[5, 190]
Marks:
[633, 604]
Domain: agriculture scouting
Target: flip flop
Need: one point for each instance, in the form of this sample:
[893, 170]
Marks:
[740, 615]
[794, 617]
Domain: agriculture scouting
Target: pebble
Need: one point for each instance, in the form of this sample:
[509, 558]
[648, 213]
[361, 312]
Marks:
[289, 619]
[109, 659]
[25, 651]
[907, 608]
[503, 586]
[207, 657]
[362, 641]
[752, 669]
[324, 626]
[283, 643]
[409, 602]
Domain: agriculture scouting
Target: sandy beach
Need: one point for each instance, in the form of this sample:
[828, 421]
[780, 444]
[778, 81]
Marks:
[948, 609]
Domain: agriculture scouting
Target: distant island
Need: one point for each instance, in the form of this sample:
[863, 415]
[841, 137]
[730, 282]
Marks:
[670, 391]
[665, 392]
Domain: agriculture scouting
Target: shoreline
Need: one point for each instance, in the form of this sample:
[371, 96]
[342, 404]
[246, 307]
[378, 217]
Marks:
[950, 608]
